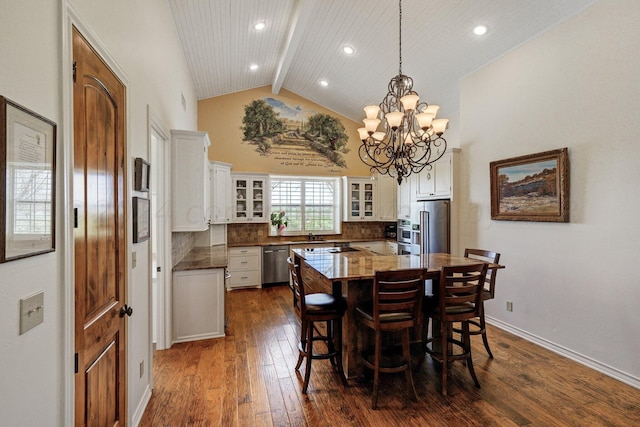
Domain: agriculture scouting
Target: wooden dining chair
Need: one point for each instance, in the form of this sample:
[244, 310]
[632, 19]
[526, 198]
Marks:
[458, 299]
[311, 308]
[478, 325]
[396, 306]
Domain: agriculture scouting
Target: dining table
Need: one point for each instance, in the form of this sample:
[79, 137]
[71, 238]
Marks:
[348, 274]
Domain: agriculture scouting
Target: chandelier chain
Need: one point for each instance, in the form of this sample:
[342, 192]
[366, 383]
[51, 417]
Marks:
[400, 37]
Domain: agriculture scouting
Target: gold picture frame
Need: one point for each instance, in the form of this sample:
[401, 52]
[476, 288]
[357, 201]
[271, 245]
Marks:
[27, 182]
[534, 187]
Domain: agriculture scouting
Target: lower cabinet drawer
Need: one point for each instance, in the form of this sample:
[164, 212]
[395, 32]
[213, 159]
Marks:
[244, 262]
[245, 278]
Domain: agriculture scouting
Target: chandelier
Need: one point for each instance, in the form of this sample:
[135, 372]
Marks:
[411, 139]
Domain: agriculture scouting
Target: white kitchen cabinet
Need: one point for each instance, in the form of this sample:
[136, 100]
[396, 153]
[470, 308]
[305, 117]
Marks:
[391, 248]
[359, 199]
[437, 183]
[377, 246]
[221, 207]
[245, 267]
[190, 180]
[198, 304]
[406, 194]
[385, 197]
[250, 195]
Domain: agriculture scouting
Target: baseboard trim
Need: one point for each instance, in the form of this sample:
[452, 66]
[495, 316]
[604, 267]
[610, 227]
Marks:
[563, 351]
[137, 415]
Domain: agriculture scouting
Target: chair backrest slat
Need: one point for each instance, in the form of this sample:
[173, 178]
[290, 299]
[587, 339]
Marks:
[298, 288]
[461, 286]
[486, 256]
[398, 291]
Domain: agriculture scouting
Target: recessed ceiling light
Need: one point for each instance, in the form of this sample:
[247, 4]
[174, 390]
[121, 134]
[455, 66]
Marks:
[260, 25]
[348, 50]
[480, 30]
[324, 83]
[253, 67]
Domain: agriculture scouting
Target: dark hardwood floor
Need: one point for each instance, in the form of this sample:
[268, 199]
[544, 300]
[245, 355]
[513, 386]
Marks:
[248, 379]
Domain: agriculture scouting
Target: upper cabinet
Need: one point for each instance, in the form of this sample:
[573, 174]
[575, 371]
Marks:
[386, 195]
[359, 196]
[437, 183]
[406, 194]
[250, 193]
[190, 180]
[221, 206]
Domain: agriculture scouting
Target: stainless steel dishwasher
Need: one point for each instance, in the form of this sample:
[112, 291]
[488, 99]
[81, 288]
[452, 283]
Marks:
[274, 264]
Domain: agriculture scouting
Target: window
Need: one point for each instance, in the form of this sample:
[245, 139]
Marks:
[311, 204]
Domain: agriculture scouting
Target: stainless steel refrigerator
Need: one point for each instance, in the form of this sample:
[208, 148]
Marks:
[435, 228]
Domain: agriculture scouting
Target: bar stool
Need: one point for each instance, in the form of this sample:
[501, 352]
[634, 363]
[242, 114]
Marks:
[459, 299]
[311, 308]
[488, 292]
[397, 298]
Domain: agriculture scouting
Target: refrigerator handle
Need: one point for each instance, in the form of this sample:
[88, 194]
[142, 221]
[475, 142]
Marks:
[424, 232]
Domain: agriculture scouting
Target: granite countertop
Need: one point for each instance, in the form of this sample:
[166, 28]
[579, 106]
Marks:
[305, 242]
[204, 257]
[358, 265]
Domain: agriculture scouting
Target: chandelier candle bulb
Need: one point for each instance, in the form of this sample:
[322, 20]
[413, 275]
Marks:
[424, 120]
[440, 125]
[394, 119]
[371, 125]
[432, 109]
[372, 111]
[409, 102]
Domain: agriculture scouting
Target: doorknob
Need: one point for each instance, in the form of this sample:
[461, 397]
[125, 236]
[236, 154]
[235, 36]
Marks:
[126, 310]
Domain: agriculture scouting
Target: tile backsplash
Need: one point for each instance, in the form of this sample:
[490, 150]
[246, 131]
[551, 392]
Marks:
[181, 245]
[259, 233]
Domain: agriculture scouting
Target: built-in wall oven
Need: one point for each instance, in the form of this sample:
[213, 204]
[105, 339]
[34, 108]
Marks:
[404, 231]
[404, 249]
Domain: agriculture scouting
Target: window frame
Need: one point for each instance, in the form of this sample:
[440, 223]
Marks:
[303, 179]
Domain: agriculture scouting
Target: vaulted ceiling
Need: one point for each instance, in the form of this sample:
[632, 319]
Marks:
[303, 40]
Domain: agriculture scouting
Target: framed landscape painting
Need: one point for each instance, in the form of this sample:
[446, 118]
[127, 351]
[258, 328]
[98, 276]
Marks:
[531, 188]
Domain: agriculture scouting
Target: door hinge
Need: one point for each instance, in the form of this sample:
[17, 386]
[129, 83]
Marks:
[75, 70]
[75, 217]
[76, 363]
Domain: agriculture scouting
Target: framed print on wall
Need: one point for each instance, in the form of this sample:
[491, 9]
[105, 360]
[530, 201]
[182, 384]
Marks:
[27, 182]
[141, 219]
[534, 187]
[141, 175]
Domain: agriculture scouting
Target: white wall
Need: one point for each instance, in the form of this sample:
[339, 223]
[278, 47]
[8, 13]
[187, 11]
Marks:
[30, 363]
[575, 287]
[141, 39]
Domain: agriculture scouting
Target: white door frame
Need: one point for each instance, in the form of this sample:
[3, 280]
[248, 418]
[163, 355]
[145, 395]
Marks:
[163, 220]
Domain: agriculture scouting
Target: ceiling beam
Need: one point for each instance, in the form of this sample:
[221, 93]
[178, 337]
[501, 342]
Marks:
[301, 14]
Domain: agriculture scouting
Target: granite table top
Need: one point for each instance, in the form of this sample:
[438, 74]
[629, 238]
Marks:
[203, 258]
[359, 265]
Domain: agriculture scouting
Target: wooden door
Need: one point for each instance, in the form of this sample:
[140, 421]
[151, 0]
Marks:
[99, 237]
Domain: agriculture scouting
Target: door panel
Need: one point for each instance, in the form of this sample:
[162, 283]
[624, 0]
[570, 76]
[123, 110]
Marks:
[99, 240]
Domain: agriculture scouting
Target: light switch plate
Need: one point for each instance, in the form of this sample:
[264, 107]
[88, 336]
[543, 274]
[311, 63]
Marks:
[31, 312]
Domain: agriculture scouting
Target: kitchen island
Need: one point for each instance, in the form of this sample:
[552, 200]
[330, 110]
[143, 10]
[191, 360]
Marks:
[349, 274]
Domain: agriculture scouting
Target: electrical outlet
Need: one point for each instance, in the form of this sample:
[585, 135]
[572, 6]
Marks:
[509, 306]
[134, 261]
[141, 368]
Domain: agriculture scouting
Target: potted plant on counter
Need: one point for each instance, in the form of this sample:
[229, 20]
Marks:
[279, 220]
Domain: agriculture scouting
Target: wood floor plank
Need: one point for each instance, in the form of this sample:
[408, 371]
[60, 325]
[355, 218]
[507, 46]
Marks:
[247, 378]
